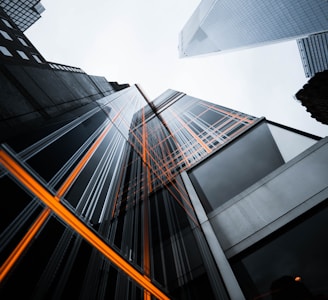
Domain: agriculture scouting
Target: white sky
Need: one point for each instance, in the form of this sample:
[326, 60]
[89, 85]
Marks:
[136, 41]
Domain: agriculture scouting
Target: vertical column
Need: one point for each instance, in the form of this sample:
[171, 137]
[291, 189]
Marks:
[146, 188]
[223, 265]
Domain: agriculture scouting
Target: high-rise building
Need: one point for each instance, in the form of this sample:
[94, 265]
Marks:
[24, 13]
[14, 46]
[108, 195]
[223, 25]
[314, 53]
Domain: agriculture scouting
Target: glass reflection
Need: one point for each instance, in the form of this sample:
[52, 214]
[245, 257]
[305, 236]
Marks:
[292, 264]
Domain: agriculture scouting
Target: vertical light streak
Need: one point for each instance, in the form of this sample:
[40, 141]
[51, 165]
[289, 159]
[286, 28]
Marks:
[12, 259]
[71, 178]
[45, 196]
[193, 134]
[146, 256]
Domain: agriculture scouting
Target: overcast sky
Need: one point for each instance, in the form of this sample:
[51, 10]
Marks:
[136, 41]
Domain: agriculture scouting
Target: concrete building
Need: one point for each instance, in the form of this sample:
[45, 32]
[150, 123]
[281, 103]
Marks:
[223, 25]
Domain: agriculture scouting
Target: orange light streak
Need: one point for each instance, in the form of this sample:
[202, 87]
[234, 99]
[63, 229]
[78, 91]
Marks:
[146, 256]
[226, 112]
[44, 195]
[71, 178]
[11, 260]
[14, 256]
[150, 158]
[195, 136]
[160, 178]
[186, 201]
[147, 295]
[144, 140]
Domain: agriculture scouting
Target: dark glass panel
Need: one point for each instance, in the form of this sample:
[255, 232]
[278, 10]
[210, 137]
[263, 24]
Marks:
[26, 273]
[198, 288]
[270, 269]
[211, 117]
[13, 200]
[176, 258]
[78, 188]
[17, 233]
[52, 158]
[235, 167]
[75, 281]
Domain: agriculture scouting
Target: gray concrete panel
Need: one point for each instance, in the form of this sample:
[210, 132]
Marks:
[273, 201]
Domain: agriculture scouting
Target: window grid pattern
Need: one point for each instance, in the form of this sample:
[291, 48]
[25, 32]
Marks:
[226, 25]
[314, 53]
[60, 67]
[21, 12]
[112, 178]
[98, 157]
[194, 129]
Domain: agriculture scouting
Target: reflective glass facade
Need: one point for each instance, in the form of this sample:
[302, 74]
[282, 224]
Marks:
[107, 195]
[290, 264]
[243, 162]
[220, 25]
[314, 53]
[23, 13]
[106, 187]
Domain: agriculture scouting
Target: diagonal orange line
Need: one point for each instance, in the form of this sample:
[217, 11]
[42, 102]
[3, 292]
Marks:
[160, 172]
[84, 160]
[195, 136]
[44, 195]
[11, 260]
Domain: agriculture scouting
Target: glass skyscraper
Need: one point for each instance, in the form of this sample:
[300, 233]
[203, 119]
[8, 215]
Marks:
[24, 13]
[314, 53]
[223, 25]
[108, 195]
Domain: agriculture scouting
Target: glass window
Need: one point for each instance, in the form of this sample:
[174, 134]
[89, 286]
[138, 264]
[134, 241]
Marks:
[37, 58]
[5, 51]
[256, 150]
[291, 264]
[5, 35]
[22, 54]
[22, 41]
[6, 23]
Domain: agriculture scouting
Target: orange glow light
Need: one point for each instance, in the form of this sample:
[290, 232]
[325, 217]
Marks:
[44, 195]
[297, 278]
[68, 182]
[193, 134]
[11, 260]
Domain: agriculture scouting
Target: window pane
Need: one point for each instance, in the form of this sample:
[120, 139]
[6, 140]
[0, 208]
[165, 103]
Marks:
[22, 41]
[6, 35]
[22, 54]
[293, 262]
[37, 58]
[5, 51]
[6, 23]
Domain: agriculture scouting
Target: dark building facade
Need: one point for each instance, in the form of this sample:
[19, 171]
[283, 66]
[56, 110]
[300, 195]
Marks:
[24, 13]
[314, 53]
[108, 195]
[14, 46]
